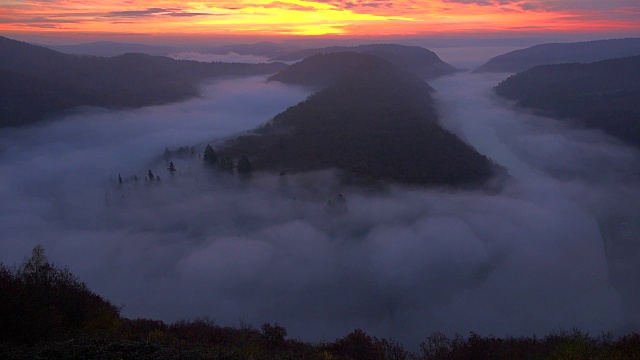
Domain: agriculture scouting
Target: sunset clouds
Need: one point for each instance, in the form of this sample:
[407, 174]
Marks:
[319, 17]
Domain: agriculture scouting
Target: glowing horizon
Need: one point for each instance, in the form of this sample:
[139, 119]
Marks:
[316, 17]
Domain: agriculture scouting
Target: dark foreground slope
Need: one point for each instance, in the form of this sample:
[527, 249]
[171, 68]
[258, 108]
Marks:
[547, 54]
[375, 122]
[48, 313]
[36, 82]
[420, 61]
[603, 95]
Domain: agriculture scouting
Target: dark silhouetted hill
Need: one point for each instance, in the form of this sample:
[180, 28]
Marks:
[37, 82]
[547, 54]
[263, 48]
[109, 48]
[323, 70]
[48, 313]
[418, 60]
[375, 122]
[603, 95]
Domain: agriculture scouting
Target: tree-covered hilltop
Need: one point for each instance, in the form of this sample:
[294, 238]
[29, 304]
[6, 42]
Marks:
[560, 53]
[323, 70]
[48, 313]
[373, 121]
[36, 82]
[603, 95]
[415, 59]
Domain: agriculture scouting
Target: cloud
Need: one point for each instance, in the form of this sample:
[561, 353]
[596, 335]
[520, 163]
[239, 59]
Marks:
[287, 6]
[155, 12]
[401, 263]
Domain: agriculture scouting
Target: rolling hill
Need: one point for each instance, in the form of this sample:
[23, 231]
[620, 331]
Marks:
[603, 95]
[371, 120]
[37, 82]
[547, 54]
[418, 60]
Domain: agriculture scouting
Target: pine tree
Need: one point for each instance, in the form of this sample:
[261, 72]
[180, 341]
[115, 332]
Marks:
[210, 156]
[119, 179]
[150, 175]
[172, 168]
[244, 167]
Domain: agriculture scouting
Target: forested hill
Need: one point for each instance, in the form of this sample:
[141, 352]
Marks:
[547, 54]
[418, 60]
[36, 82]
[603, 95]
[375, 122]
[323, 70]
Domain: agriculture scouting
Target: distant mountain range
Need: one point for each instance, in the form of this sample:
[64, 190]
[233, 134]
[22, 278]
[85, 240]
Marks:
[603, 95]
[109, 49]
[37, 83]
[418, 60]
[371, 120]
[547, 54]
[265, 48]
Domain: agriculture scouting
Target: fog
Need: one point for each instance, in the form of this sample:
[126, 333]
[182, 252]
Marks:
[230, 57]
[401, 263]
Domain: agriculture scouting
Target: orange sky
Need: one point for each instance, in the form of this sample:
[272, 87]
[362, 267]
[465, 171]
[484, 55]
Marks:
[319, 17]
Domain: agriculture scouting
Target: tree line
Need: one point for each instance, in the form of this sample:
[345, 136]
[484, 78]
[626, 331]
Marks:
[48, 313]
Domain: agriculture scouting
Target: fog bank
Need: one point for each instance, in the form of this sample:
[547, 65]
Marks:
[230, 57]
[401, 263]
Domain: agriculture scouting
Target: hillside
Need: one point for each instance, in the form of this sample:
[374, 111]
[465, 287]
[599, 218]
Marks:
[110, 48]
[38, 82]
[603, 95]
[374, 122]
[263, 48]
[547, 54]
[49, 313]
[323, 70]
[420, 61]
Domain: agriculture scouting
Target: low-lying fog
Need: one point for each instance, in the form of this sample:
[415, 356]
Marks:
[230, 57]
[400, 264]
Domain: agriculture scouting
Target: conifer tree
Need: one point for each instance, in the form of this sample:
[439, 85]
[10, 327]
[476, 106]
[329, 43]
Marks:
[210, 156]
[244, 167]
[172, 168]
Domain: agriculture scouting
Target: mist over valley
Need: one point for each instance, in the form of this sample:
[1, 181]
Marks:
[526, 250]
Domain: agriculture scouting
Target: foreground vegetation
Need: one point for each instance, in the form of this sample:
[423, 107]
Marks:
[48, 313]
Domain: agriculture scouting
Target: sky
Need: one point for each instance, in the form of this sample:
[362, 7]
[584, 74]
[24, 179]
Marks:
[320, 17]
